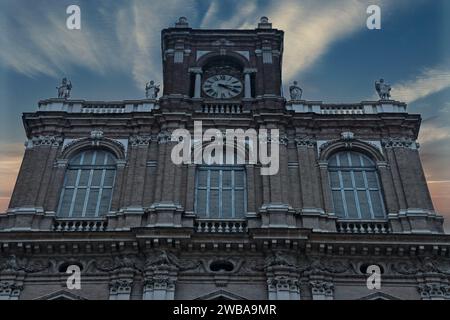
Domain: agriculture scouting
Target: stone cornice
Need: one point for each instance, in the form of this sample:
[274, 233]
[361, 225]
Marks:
[258, 239]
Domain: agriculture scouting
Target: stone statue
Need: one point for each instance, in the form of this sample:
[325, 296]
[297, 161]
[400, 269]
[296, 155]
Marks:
[64, 89]
[151, 90]
[295, 91]
[383, 89]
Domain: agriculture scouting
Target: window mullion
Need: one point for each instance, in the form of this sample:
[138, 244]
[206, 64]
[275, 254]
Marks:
[220, 194]
[355, 193]
[233, 197]
[341, 185]
[75, 191]
[208, 191]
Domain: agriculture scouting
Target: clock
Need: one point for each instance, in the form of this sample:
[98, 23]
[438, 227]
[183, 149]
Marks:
[222, 86]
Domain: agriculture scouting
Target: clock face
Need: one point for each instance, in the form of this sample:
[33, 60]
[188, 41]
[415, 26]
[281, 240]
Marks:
[222, 87]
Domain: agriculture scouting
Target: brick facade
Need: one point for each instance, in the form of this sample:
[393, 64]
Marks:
[153, 245]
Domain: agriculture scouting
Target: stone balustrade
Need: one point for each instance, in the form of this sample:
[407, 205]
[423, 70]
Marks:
[364, 107]
[220, 226]
[82, 106]
[355, 226]
[80, 225]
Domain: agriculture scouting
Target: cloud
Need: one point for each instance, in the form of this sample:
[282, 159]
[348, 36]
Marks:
[431, 133]
[428, 82]
[41, 44]
[121, 36]
[38, 42]
[311, 27]
[138, 27]
[10, 160]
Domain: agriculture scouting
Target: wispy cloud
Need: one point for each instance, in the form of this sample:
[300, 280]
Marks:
[429, 133]
[312, 27]
[429, 81]
[120, 36]
[41, 44]
[138, 32]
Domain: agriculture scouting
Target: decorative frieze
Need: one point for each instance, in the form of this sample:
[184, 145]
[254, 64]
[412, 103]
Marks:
[400, 142]
[164, 137]
[37, 141]
[307, 142]
[139, 141]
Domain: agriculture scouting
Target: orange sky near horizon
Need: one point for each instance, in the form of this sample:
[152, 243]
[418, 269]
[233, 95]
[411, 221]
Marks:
[11, 159]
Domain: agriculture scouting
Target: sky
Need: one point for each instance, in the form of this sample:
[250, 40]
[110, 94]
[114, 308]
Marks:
[327, 48]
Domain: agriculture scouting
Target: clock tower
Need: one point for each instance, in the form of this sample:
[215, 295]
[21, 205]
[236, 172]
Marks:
[222, 66]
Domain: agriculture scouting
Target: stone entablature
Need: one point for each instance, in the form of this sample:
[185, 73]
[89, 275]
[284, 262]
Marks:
[144, 266]
[147, 105]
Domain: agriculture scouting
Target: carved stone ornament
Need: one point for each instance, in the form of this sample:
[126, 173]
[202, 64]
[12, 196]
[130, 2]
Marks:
[164, 137]
[10, 288]
[118, 263]
[434, 290]
[13, 264]
[425, 265]
[307, 141]
[121, 286]
[347, 135]
[319, 287]
[41, 140]
[162, 257]
[96, 134]
[137, 140]
[399, 142]
[323, 265]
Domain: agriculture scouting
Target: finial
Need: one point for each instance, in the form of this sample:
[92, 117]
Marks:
[264, 23]
[182, 23]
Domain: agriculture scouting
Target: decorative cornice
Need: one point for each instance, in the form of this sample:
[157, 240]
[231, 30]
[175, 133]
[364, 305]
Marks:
[164, 137]
[399, 142]
[308, 142]
[41, 140]
[138, 140]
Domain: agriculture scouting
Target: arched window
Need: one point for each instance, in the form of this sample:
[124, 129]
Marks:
[220, 191]
[355, 186]
[88, 185]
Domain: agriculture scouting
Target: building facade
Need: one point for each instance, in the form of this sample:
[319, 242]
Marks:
[98, 190]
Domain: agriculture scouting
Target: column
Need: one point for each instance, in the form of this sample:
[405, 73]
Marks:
[247, 85]
[198, 81]
[248, 82]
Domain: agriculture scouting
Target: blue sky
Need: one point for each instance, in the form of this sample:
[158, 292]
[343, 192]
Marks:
[328, 49]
